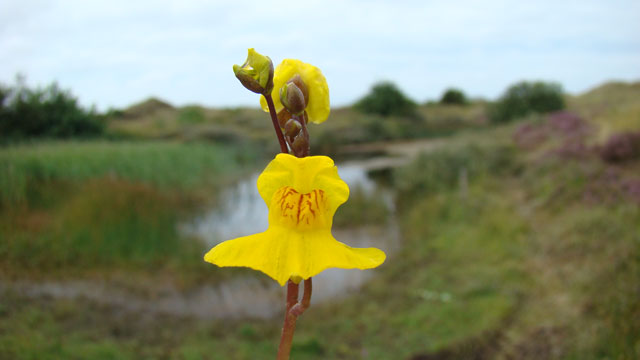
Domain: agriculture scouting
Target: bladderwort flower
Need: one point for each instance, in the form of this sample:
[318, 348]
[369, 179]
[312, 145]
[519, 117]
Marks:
[302, 192]
[302, 195]
[317, 90]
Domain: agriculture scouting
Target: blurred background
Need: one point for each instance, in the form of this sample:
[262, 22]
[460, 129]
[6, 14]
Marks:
[492, 150]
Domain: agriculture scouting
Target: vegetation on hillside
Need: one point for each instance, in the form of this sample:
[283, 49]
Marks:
[48, 112]
[385, 99]
[453, 97]
[613, 107]
[525, 98]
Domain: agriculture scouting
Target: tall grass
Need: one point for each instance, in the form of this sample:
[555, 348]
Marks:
[25, 168]
[106, 205]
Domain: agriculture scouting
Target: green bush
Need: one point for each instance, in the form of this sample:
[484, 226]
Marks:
[44, 112]
[386, 99]
[191, 114]
[525, 98]
[453, 97]
[447, 169]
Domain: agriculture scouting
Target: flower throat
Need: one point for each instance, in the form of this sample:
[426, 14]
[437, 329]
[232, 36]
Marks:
[299, 211]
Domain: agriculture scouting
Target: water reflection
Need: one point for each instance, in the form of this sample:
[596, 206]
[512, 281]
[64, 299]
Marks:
[241, 211]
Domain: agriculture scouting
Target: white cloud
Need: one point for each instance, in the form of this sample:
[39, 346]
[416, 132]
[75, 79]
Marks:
[118, 52]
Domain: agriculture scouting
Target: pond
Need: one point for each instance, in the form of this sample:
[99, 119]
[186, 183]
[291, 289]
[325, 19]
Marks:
[241, 211]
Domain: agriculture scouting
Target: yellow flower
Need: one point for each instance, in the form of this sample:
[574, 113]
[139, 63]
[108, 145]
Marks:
[318, 102]
[256, 74]
[302, 195]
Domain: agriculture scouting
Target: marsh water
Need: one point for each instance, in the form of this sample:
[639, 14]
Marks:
[239, 211]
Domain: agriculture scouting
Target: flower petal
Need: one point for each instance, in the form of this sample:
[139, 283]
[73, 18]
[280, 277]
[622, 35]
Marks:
[304, 175]
[318, 107]
[282, 254]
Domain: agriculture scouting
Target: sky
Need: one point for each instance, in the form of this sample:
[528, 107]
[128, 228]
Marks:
[115, 53]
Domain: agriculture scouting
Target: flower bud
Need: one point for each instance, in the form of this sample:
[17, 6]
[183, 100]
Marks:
[256, 74]
[292, 128]
[292, 98]
[283, 117]
[302, 86]
[300, 145]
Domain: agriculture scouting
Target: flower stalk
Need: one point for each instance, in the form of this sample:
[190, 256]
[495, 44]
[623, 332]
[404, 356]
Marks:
[302, 192]
[276, 124]
[294, 309]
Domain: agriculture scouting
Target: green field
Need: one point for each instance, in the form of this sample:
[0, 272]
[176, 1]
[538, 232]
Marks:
[70, 206]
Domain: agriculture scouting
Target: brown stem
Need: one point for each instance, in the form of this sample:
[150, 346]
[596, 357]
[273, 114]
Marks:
[289, 325]
[294, 309]
[300, 307]
[276, 124]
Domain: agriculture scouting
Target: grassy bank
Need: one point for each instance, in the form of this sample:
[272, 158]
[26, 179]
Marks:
[424, 298]
[515, 259]
[69, 206]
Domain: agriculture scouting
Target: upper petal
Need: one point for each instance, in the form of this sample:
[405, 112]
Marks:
[318, 107]
[304, 175]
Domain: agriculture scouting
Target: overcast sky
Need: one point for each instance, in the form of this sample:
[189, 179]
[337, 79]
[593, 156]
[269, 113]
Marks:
[114, 53]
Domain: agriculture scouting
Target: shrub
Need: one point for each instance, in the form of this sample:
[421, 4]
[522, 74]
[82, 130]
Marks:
[44, 112]
[453, 97]
[386, 99]
[525, 98]
[530, 136]
[621, 147]
[192, 114]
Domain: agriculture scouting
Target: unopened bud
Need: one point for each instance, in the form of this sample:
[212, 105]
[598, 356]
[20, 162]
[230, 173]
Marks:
[292, 128]
[301, 85]
[283, 117]
[256, 74]
[292, 98]
[300, 145]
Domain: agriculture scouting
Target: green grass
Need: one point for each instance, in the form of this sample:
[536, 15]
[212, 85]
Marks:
[613, 107]
[505, 268]
[362, 209]
[428, 297]
[24, 168]
[433, 305]
[425, 298]
[107, 205]
[62, 329]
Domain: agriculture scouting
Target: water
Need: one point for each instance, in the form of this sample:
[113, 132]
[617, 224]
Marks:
[240, 211]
